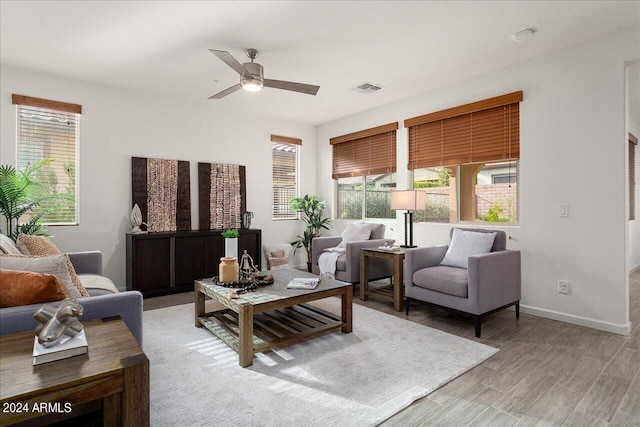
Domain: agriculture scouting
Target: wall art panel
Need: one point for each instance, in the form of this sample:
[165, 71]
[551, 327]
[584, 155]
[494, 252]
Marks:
[161, 188]
[221, 195]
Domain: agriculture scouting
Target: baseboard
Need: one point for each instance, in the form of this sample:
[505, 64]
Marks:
[621, 329]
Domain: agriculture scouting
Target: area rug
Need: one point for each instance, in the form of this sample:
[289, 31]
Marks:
[357, 379]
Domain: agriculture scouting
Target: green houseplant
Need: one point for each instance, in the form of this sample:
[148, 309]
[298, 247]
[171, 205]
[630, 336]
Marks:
[21, 195]
[231, 242]
[311, 210]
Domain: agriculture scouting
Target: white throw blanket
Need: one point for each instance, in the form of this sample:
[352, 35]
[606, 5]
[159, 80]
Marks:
[327, 261]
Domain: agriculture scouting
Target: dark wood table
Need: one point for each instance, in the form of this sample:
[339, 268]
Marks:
[398, 275]
[272, 316]
[115, 370]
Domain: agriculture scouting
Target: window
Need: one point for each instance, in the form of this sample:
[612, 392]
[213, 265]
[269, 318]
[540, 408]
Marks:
[50, 130]
[370, 192]
[633, 141]
[435, 183]
[364, 166]
[466, 159]
[284, 151]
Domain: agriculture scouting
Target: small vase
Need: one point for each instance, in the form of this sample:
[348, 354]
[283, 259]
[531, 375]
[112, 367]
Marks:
[231, 247]
[228, 269]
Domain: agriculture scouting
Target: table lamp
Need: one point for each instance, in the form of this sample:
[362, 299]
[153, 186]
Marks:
[410, 200]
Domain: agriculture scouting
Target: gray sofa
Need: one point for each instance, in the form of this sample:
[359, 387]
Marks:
[102, 303]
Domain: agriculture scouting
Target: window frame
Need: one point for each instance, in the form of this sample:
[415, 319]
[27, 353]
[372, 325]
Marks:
[285, 140]
[47, 106]
[458, 198]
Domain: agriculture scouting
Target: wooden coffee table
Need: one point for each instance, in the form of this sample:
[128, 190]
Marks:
[115, 370]
[272, 316]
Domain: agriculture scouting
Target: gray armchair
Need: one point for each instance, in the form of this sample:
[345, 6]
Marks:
[489, 284]
[348, 264]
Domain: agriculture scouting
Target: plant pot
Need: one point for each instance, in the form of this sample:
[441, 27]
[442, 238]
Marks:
[231, 248]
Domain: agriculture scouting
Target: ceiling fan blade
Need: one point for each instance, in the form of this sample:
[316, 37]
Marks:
[293, 86]
[226, 92]
[228, 59]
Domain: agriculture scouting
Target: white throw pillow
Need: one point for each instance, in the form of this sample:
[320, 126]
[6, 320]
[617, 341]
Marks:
[465, 244]
[8, 247]
[355, 231]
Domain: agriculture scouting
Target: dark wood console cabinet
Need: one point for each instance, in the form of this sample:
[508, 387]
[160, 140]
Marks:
[167, 263]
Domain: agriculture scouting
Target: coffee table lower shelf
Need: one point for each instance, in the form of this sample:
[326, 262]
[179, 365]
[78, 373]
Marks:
[273, 329]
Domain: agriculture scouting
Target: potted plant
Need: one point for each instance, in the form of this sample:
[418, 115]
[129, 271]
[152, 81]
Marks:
[231, 242]
[311, 209]
[21, 195]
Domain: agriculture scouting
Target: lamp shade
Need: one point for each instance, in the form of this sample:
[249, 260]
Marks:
[410, 200]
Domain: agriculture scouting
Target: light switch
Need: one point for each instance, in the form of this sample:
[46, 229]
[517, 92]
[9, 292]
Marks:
[563, 210]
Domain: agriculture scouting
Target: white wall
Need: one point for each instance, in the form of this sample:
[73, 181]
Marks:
[572, 123]
[117, 124]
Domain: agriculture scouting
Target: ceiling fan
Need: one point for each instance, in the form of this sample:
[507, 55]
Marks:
[251, 76]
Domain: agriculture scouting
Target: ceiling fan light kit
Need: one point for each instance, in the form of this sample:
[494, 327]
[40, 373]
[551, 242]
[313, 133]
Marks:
[251, 79]
[252, 76]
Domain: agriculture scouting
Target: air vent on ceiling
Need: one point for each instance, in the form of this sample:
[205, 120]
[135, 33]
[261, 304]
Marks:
[366, 88]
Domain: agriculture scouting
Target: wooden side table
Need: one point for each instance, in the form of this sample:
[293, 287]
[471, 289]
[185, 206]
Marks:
[115, 370]
[398, 273]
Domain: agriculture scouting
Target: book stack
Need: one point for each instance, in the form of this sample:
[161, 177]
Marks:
[69, 348]
[303, 283]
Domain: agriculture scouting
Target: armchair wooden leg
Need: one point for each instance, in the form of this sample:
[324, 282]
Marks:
[406, 306]
[476, 323]
[518, 310]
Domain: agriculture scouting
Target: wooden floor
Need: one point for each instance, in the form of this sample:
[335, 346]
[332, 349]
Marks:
[547, 373]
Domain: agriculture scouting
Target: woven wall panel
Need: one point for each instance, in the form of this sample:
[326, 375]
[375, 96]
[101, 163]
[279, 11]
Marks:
[222, 195]
[161, 188]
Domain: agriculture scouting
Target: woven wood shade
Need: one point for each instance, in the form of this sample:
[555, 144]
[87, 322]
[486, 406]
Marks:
[479, 132]
[286, 139]
[368, 152]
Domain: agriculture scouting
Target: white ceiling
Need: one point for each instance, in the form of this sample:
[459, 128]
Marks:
[162, 47]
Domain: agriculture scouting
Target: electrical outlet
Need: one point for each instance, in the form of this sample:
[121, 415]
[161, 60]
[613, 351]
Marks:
[563, 287]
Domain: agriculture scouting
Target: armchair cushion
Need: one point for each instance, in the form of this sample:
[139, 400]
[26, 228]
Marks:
[465, 244]
[354, 232]
[448, 280]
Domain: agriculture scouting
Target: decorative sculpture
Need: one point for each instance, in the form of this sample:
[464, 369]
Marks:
[248, 269]
[55, 322]
[136, 219]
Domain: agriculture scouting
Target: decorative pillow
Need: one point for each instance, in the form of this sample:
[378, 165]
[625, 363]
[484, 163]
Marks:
[8, 247]
[277, 254]
[355, 231]
[25, 287]
[55, 264]
[38, 245]
[465, 244]
[43, 246]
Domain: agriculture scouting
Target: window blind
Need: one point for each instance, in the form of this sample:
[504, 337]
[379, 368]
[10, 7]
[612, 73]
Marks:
[479, 132]
[633, 142]
[368, 152]
[285, 174]
[49, 130]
